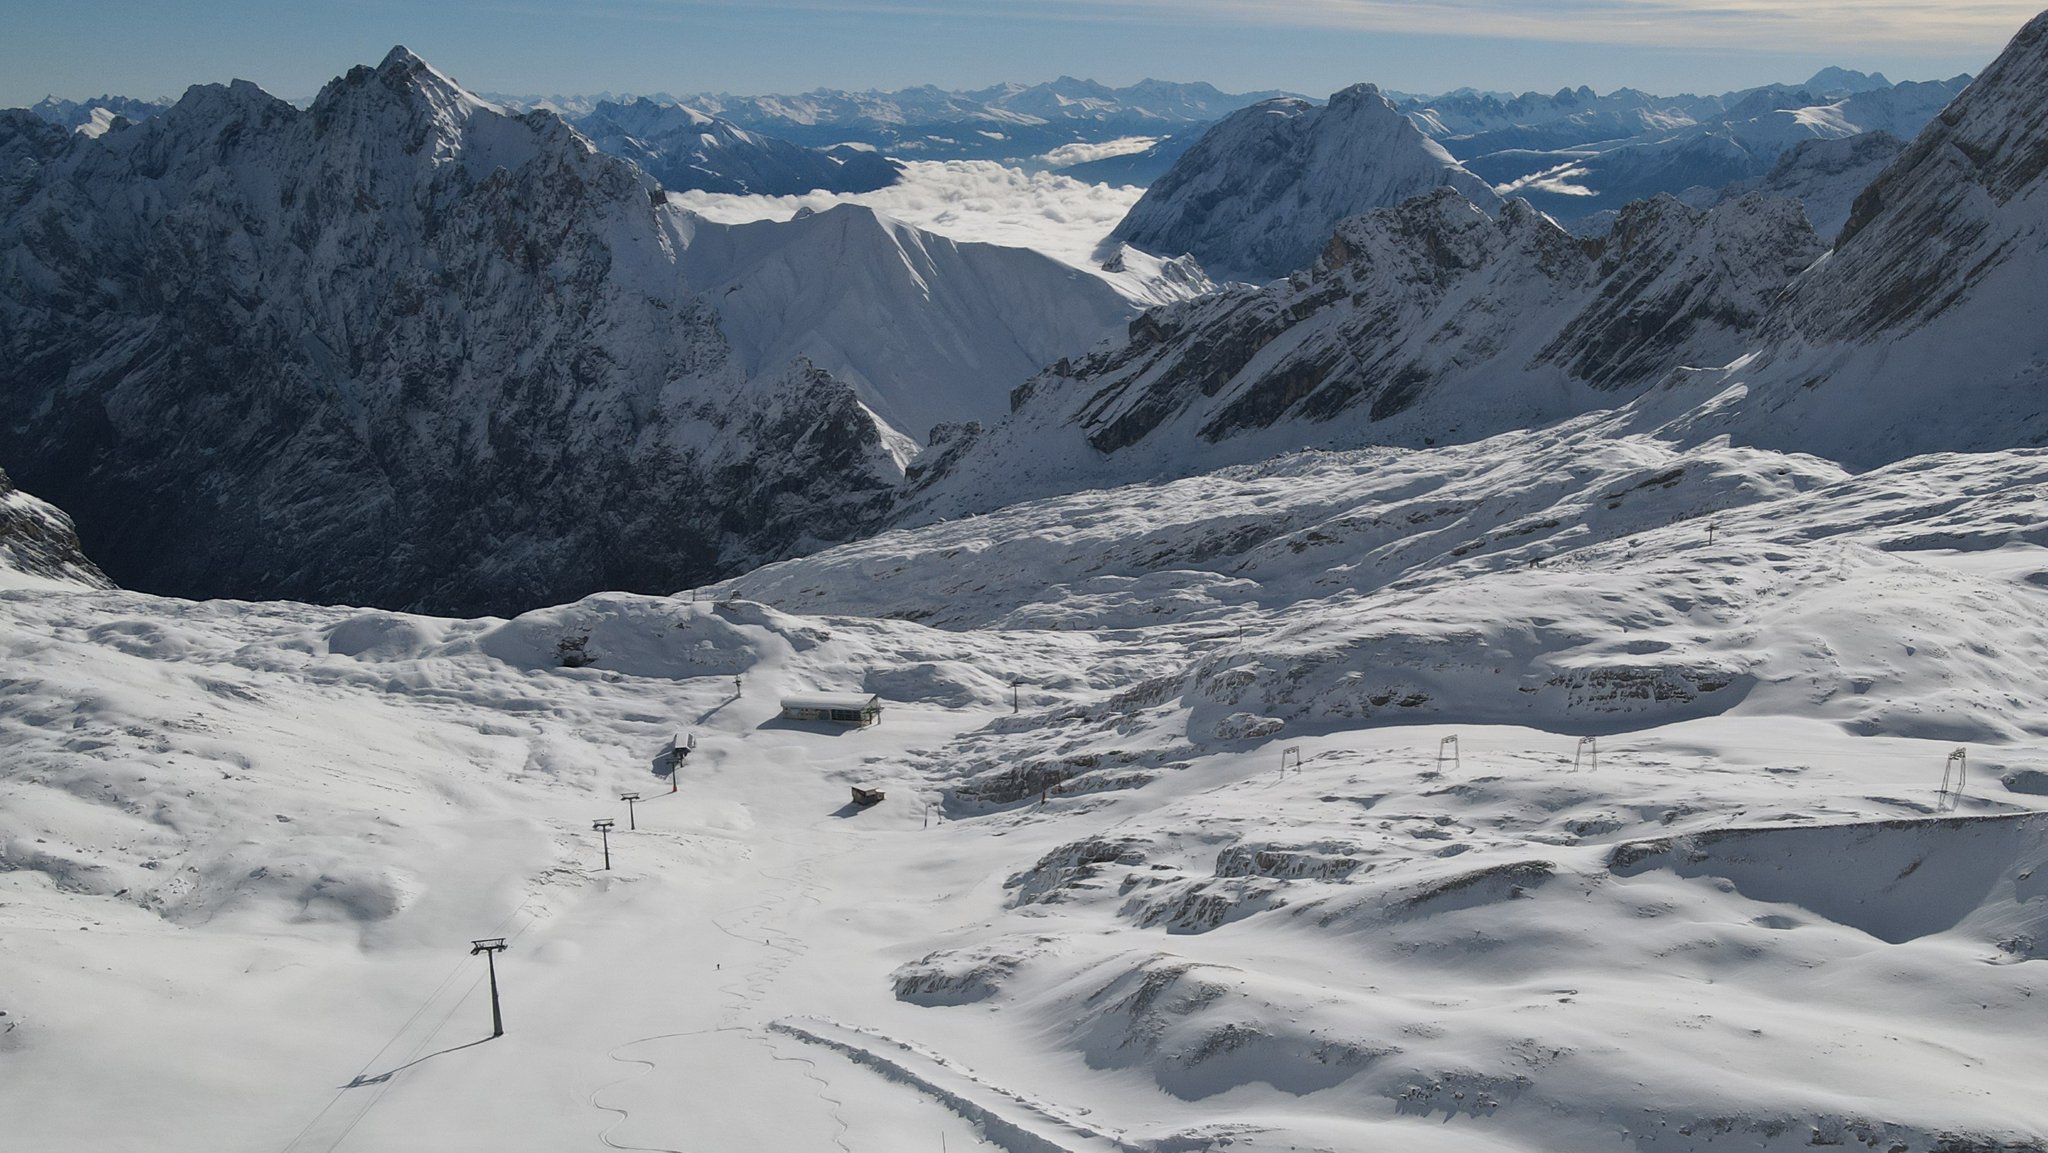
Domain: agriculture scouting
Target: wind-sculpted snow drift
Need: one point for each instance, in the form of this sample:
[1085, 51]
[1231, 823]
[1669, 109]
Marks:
[402, 348]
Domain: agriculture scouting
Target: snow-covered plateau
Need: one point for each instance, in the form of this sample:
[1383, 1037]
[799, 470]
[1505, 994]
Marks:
[1565, 791]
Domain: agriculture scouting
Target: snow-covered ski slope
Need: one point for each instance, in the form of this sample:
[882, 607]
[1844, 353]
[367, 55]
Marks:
[1685, 880]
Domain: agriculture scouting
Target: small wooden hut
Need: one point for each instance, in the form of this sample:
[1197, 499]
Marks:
[856, 709]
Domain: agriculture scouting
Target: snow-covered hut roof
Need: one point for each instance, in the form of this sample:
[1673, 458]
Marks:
[852, 701]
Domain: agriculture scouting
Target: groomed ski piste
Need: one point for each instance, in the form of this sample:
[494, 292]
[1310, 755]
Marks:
[1567, 791]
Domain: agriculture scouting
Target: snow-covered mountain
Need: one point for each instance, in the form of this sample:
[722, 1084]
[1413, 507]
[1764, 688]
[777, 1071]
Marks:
[1257, 196]
[1923, 329]
[95, 116]
[403, 348]
[925, 329]
[688, 150]
[1419, 324]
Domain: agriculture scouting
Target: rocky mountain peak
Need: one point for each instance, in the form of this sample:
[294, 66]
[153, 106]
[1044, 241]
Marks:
[1358, 95]
[1259, 193]
[403, 99]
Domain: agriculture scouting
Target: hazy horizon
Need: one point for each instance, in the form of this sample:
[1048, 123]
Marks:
[129, 48]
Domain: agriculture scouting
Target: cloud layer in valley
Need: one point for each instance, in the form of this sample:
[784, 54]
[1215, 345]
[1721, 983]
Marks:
[965, 200]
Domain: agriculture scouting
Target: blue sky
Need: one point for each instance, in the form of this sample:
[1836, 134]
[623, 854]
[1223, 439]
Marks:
[80, 48]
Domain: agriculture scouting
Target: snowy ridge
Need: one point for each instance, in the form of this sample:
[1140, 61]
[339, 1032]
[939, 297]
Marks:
[1425, 323]
[983, 202]
[1257, 196]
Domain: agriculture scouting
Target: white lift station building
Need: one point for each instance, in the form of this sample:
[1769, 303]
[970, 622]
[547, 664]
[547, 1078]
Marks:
[857, 709]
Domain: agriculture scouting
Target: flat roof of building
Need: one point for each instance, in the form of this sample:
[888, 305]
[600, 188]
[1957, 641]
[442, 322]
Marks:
[852, 701]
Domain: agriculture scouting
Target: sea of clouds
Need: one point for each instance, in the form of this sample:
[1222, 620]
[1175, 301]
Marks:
[982, 200]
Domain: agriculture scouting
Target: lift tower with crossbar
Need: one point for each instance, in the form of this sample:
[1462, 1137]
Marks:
[490, 947]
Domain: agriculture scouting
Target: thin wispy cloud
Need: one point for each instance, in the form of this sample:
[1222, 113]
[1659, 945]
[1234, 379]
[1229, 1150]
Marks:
[1764, 25]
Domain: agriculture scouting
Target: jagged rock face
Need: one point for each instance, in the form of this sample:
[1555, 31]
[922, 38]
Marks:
[1921, 332]
[1423, 323]
[27, 143]
[396, 349]
[1257, 196]
[1678, 287]
[39, 540]
[688, 150]
[1917, 234]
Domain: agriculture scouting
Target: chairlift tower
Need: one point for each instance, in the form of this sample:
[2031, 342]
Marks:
[604, 831]
[1589, 749]
[630, 799]
[1953, 774]
[1448, 749]
[490, 947]
[1291, 752]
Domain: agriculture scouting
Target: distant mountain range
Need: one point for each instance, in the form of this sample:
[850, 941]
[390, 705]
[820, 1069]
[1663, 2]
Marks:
[1257, 193]
[688, 150]
[95, 116]
[1574, 153]
[1432, 322]
[1577, 155]
[1013, 122]
[409, 348]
